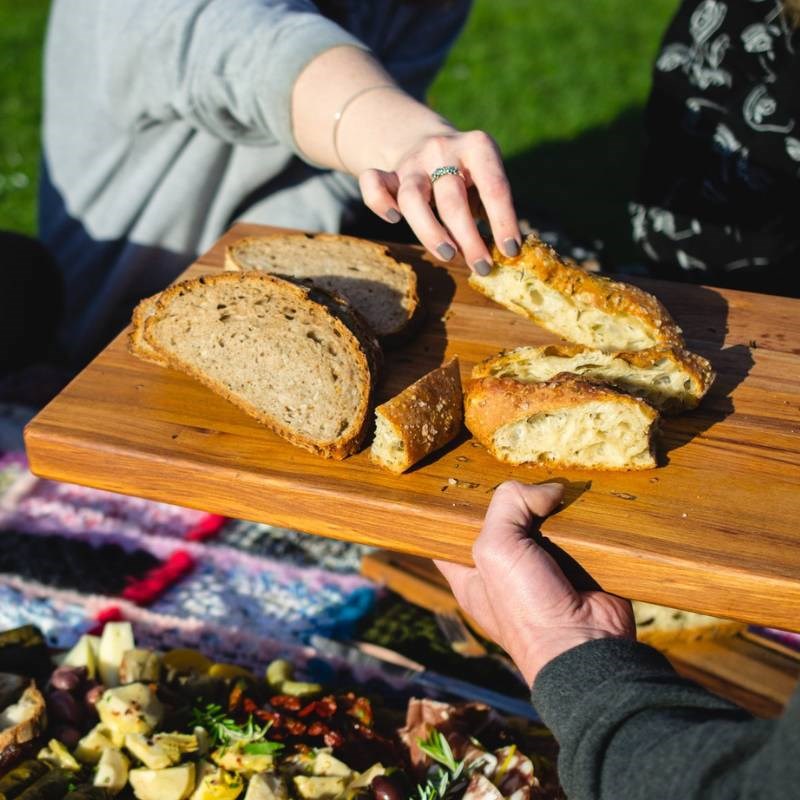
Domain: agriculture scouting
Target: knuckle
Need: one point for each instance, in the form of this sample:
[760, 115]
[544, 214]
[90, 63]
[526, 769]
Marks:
[496, 187]
[481, 139]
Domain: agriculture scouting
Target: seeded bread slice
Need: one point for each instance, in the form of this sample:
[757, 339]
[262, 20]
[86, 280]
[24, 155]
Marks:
[582, 307]
[137, 344]
[670, 378]
[565, 422]
[281, 352]
[421, 419]
[381, 288]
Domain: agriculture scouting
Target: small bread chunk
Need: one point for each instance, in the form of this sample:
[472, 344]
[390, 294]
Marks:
[421, 419]
[660, 626]
[281, 352]
[23, 719]
[582, 307]
[564, 422]
[137, 344]
[670, 378]
[381, 288]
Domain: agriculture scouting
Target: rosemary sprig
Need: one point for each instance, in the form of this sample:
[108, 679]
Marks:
[224, 730]
[438, 748]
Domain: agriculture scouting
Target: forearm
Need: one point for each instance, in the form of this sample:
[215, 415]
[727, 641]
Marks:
[629, 726]
[380, 122]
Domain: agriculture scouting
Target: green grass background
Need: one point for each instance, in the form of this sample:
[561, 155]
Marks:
[560, 84]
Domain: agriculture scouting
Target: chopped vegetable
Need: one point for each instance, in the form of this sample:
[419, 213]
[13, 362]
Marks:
[112, 770]
[174, 783]
[116, 640]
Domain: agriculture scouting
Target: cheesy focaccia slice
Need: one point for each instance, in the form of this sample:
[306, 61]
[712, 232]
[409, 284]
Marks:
[580, 306]
[564, 422]
[670, 378]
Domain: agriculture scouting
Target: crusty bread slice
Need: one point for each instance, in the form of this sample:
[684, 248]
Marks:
[279, 351]
[137, 344]
[564, 422]
[582, 307]
[421, 419]
[381, 288]
[670, 378]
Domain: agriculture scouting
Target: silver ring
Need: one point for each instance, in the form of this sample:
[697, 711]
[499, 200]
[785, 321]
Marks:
[440, 172]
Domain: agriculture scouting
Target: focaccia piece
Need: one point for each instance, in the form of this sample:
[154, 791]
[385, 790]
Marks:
[670, 378]
[582, 307]
[565, 422]
[660, 626]
[283, 353]
[419, 420]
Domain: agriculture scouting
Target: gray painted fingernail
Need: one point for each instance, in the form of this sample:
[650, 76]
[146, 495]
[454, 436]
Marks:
[393, 215]
[482, 267]
[446, 251]
[511, 247]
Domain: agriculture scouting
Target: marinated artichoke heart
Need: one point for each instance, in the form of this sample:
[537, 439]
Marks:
[218, 784]
[112, 770]
[266, 786]
[140, 665]
[319, 787]
[133, 708]
[57, 755]
[174, 783]
[234, 758]
[91, 746]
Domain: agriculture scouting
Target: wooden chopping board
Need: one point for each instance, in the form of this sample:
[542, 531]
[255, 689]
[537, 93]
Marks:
[714, 529]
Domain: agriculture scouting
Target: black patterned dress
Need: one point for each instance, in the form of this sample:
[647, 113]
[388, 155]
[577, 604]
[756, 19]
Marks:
[719, 200]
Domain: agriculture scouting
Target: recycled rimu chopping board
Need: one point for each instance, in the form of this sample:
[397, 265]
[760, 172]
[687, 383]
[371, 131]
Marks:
[714, 529]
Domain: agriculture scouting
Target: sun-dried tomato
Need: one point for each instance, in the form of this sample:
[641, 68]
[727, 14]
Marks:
[361, 710]
[236, 695]
[294, 727]
[286, 701]
[317, 729]
[326, 706]
[333, 739]
[309, 709]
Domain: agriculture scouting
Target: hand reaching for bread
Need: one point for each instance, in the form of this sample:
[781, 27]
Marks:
[435, 202]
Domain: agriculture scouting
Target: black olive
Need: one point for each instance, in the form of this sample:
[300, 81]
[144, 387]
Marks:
[389, 787]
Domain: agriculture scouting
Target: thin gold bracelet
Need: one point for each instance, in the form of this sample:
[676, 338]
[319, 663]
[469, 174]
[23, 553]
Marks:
[337, 117]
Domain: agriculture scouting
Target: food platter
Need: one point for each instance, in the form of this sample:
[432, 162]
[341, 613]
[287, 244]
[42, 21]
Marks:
[712, 529]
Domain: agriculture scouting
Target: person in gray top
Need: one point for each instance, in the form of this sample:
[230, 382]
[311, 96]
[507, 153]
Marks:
[628, 726]
[165, 121]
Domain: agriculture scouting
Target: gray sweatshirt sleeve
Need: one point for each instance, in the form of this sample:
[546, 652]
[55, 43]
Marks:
[629, 727]
[226, 66]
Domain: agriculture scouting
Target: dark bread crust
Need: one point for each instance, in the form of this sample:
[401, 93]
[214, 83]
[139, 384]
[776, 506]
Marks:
[381, 254]
[331, 309]
[426, 415]
[612, 297]
[490, 403]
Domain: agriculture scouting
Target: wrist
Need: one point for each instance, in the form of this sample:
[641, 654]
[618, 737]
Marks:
[544, 648]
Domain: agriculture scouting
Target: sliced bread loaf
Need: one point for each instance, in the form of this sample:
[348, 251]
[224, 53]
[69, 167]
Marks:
[381, 288]
[582, 307]
[564, 422]
[281, 352]
[670, 378]
[421, 419]
[137, 344]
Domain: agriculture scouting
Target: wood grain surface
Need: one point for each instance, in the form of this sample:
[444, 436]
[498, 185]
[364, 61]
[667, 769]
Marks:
[713, 529]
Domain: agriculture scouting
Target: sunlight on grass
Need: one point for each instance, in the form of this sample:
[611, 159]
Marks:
[560, 85]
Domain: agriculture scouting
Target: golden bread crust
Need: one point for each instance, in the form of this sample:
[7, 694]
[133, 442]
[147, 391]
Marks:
[612, 297]
[137, 344]
[491, 403]
[697, 368]
[425, 416]
[337, 449]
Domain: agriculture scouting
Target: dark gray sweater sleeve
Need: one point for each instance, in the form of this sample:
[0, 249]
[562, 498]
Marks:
[630, 727]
